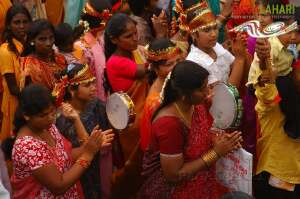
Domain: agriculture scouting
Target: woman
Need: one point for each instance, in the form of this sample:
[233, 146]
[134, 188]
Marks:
[16, 25]
[205, 50]
[45, 165]
[93, 21]
[162, 54]
[40, 63]
[78, 88]
[126, 70]
[180, 161]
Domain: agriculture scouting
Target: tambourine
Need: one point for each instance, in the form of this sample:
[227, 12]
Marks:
[227, 107]
[120, 110]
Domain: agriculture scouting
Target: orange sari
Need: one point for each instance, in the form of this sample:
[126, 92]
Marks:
[4, 6]
[42, 72]
[151, 104]
[55, 11]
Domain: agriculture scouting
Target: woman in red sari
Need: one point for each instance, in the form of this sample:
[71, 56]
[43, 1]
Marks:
[162, 54]
[126, 72]
[40, 63]
[180, 161]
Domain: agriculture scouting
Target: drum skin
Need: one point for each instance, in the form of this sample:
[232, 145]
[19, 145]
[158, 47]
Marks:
[227, 108]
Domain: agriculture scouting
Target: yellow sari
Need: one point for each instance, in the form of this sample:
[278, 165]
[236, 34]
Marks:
[4, 6]
[55, 11]
[9, 63]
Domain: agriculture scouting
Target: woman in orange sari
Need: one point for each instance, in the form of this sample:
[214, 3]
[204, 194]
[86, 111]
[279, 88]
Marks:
[126, 72]
[162, 54]
[16, 25]
[41, 64]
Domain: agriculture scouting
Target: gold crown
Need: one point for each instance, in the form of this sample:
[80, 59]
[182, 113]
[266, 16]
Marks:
[162, 54]
[83, 76]
[204, 18]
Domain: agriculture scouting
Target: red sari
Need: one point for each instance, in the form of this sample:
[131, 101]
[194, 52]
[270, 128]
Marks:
[170, 136]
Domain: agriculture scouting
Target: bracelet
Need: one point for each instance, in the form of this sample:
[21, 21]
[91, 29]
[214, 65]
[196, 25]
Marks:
[83, 163]
[210, 157]
[222, 16]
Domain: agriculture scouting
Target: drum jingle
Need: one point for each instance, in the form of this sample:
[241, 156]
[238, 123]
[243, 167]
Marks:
[227, 107]
[120, 110]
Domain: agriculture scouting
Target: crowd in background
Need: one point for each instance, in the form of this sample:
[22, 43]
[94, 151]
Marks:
[60, 60]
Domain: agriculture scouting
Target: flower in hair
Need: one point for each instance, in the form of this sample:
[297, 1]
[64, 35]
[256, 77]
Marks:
[162, 92]
[85, 24]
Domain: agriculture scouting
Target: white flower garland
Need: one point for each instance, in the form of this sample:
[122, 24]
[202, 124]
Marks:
[162, 92]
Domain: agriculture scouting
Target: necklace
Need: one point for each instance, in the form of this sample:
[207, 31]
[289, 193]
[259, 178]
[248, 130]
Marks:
[185, 120]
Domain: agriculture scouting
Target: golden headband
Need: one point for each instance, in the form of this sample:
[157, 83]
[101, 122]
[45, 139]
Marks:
[105, 14]
[204, 18]
[83, 76]
[163, 54]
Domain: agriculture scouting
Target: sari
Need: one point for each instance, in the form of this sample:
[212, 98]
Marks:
[72, 11]
[55, 11]
[93, 53]
[45, 73]
[151, 104]
[9, 63]
[96, 179]
[127, 181]
[171, 136]
[4, 6]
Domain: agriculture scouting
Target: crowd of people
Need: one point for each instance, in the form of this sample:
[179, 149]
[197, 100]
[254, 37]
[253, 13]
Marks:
[61, 60]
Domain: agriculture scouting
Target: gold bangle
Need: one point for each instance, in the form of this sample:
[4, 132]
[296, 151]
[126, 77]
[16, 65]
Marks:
[210, 157]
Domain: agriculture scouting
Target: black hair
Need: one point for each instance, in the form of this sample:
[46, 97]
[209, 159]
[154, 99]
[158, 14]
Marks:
[94, 22]
[138, 6]
[7, 35]
[186, 77]
[236, 195]
[34, 99]
[115, 27]
[63, 35]
[35, 29]
[156, 45]
[77, 67]
[189, 3]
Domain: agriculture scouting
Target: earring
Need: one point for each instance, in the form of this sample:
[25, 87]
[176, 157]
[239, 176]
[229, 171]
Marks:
[32, 43]
[26, 118]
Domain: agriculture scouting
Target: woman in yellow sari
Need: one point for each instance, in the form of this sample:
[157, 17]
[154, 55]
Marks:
[126, 72]
[16, 25]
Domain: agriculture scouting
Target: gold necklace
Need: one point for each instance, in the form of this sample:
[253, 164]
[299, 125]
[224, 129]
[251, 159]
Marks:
[185, 120]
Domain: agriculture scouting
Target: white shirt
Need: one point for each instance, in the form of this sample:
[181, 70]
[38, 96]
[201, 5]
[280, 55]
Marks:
[219, 70]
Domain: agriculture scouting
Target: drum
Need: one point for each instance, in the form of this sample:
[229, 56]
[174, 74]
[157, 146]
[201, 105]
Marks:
[227, 107]
[120, 110]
